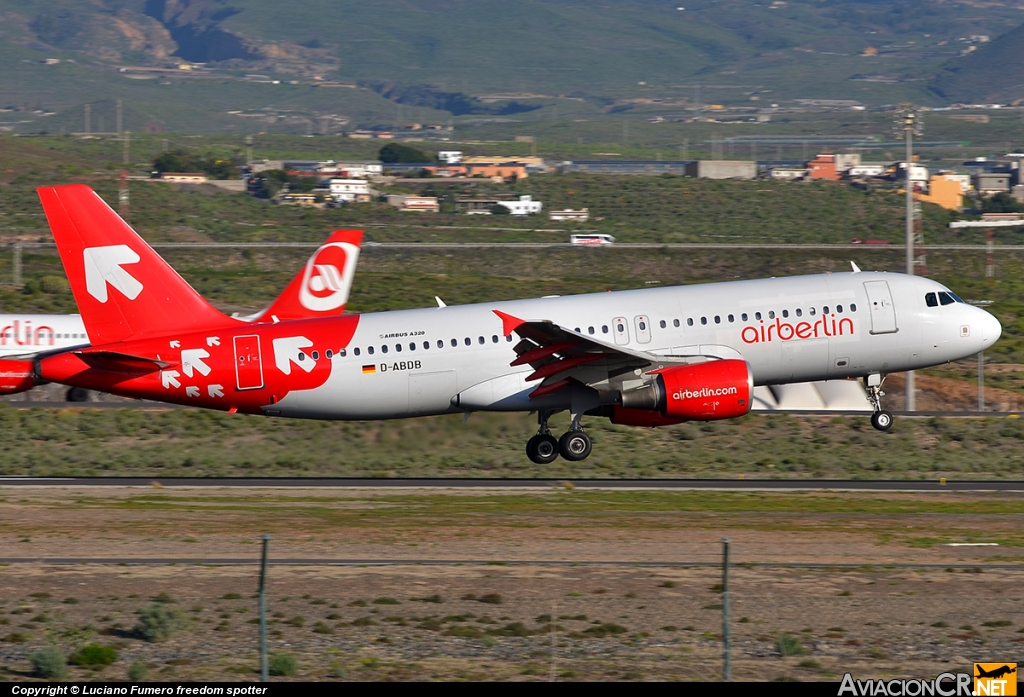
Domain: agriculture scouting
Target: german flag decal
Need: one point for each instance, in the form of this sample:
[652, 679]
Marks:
[369, 369]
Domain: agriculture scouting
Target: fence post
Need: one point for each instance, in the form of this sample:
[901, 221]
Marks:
[264, 676]
[727, 668]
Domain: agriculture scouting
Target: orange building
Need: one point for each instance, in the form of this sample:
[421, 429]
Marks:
[504, 170]
[823, 167]
[945, 192]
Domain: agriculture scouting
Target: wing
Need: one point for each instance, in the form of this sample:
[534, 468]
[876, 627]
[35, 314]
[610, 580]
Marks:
[559, 356]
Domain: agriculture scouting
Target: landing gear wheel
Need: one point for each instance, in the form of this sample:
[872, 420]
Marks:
[575, 446]
[542, 448]
[882, 420]
[77, 394]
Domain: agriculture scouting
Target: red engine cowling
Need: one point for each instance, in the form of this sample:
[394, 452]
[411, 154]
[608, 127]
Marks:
[708, 391]
[16, 376]
[721, 389]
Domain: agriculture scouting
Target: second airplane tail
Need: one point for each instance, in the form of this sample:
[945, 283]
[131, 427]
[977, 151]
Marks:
[123, 288]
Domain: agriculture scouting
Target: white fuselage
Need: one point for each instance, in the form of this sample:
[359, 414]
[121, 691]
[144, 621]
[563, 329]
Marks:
[28, 335]
[796, 329]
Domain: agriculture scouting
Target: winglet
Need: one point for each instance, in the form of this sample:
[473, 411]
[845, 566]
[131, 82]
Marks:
[440, 303]
[321, 288]
[856, 269]
[508, 323]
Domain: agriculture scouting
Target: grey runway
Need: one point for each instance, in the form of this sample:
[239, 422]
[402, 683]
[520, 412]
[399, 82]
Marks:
[891, 485]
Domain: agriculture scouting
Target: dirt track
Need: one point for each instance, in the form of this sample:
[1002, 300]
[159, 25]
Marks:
[611, 622]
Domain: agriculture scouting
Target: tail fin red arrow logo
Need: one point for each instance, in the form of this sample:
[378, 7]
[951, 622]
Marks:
[103, 266]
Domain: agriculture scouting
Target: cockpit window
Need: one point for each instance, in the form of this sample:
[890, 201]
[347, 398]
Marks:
[955, 297]
[946, 298]
[930, 300]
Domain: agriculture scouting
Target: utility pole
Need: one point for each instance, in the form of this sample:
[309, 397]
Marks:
[16, 264]
[264, 674]
[124, 207]
[248, 146]
[908, 123]
[727, 667]
[127, 142]
[120, 116]
[88, 119]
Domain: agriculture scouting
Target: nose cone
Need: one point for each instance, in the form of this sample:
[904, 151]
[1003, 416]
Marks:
[990, 328]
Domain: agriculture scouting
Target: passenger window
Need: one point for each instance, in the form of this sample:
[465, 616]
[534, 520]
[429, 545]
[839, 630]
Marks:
[771, 314]
[468, 342]
[718, 319]
[398, 348]
[812, 312]
[384, 348]
[508, 337]
[689, 321]
[824, 310]
[675, 323]
[355, 351]
[316, 355]
[785, 313]
[590, 330]
[731, 319]
[455, 342]
[661, 324]
[494, 338]
[839, 309]
[643, 326]
[369, 350]
[703, 320]
[945, 298]
[426, 345]
[757, 315]
[853, 307]
[743, 317]
[329, 353]
[412, 345]
[480, 340]
[621, 327]
[604, 328]
[799, 312]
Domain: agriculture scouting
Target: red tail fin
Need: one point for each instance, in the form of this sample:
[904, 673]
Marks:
[321, 288]
[123, 288]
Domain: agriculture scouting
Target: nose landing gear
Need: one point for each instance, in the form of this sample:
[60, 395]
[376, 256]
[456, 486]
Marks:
[574, 445]
[880, 419]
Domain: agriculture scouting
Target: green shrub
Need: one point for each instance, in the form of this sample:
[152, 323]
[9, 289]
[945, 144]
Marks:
[283, 664]
[386, 601]
[94, 655]
[157, 622]
[138, 671]
[789, 645]
[49, 663]
[231, 596]
[602, 630]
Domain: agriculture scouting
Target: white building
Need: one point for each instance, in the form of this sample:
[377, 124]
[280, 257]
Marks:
[423, 204]
[350, 190]
[866, 170]
[450, 157]
[524, 206]
[580, 216]
[351, 170]
[788, 173]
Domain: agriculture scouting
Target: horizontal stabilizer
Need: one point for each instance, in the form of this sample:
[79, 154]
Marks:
[120, 362]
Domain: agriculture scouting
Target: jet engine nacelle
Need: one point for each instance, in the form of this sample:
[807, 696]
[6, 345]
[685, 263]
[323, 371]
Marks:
[722, 389]
[16, 376]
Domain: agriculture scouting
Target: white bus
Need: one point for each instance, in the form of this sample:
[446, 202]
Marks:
[591, 239]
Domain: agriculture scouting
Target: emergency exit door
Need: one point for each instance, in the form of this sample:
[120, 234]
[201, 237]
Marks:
[883, 313]
[248, 362]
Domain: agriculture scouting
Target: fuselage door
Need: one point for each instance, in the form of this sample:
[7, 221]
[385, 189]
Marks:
[248, 362]
[642, 324]
[621, 331]
[883, 313]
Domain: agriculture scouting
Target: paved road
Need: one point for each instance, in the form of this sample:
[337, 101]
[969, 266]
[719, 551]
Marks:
[253, 561]
[524, 483]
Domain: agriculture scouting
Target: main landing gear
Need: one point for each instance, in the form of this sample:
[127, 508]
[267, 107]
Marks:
[574, 445]
[880, 419]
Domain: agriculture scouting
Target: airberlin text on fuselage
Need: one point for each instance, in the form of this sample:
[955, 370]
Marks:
[784, 331]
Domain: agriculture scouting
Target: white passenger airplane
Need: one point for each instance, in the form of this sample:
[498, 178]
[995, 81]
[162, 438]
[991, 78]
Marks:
[644, 357]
